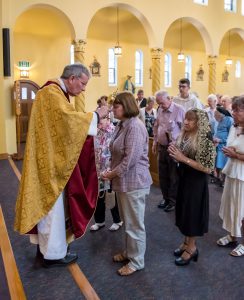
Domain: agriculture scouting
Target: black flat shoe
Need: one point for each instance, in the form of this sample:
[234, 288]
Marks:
[67, 260]
[163, 204]
[169, 208]
[179, 261]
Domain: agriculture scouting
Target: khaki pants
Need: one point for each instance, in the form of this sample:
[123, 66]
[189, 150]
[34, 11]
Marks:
[132, 211]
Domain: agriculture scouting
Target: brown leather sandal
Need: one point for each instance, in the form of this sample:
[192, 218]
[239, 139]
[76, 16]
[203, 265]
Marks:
[126, 271]
[119, 257]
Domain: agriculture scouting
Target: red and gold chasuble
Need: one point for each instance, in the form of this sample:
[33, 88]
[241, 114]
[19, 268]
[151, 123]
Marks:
[59, 155]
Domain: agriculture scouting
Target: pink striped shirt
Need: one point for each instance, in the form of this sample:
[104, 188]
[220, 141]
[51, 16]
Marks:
[129, 149]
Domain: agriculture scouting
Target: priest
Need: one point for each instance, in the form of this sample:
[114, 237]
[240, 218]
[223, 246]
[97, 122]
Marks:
[58, 189]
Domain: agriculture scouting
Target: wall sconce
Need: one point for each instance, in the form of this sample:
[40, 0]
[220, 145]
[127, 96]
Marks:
[228, 61]
[24, 67]
[181, 56]
[117, 48]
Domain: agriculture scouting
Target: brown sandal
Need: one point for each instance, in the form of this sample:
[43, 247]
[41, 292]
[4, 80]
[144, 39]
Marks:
[126, 271]
[119, 257]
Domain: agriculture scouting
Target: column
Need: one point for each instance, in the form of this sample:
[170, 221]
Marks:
[156, 69]
[79, 50]
[212, 75]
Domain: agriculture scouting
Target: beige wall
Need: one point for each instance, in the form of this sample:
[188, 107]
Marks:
[47, 55]
[42, 33]
[98, 86]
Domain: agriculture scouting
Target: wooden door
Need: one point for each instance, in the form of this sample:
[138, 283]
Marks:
[27, 93]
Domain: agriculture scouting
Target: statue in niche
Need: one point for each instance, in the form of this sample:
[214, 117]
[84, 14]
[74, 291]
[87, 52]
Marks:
[200, 73]
[129, 85]
[225, 75]
[95, 67]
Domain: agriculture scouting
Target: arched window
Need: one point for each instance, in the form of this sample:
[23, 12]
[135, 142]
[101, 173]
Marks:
[238, 69]
[72, 54]
[139, 68]
[112, 68]
[230, 5]
[188, 68]
[167, 70]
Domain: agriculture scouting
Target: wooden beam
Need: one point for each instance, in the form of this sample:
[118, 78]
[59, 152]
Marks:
[82, 282]
[80, 279]
[15, 169]
[15, 286]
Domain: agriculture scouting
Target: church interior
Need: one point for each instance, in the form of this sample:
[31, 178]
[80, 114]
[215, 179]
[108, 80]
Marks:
[39, 39]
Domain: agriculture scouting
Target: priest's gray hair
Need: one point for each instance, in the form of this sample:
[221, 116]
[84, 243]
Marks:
[76, 70]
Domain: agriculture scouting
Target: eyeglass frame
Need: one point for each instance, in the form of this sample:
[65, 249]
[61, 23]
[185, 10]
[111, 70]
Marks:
[183, 86]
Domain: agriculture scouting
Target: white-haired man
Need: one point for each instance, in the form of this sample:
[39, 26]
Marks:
[170, 117]
[212, 104]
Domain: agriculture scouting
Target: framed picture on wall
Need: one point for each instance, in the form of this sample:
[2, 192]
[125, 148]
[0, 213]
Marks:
[225, 75]
[200, 74]
[95, 67]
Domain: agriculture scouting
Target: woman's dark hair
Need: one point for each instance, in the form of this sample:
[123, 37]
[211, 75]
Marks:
[104, 97]
[223, 111]
[185, 81]
[238, 102]
[128, 101]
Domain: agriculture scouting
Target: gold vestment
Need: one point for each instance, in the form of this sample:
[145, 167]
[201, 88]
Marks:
[56, 135]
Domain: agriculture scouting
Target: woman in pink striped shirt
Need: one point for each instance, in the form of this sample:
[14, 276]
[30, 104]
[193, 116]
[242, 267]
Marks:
[131, 179]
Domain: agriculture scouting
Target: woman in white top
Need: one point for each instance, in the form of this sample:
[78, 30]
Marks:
[232, 202]
[148, 115]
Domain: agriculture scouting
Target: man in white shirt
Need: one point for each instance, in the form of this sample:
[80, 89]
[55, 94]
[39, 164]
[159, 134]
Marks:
[185, 98]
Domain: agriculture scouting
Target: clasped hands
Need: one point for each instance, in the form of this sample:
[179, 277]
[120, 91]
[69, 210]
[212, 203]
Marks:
[230, 152]
[107, 175]
[176, 154]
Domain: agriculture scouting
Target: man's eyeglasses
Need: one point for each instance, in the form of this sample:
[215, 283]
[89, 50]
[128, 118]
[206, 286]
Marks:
[182, 86]
[79, 78]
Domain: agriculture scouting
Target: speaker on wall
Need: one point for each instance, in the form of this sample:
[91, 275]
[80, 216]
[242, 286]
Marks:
[6, 53]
